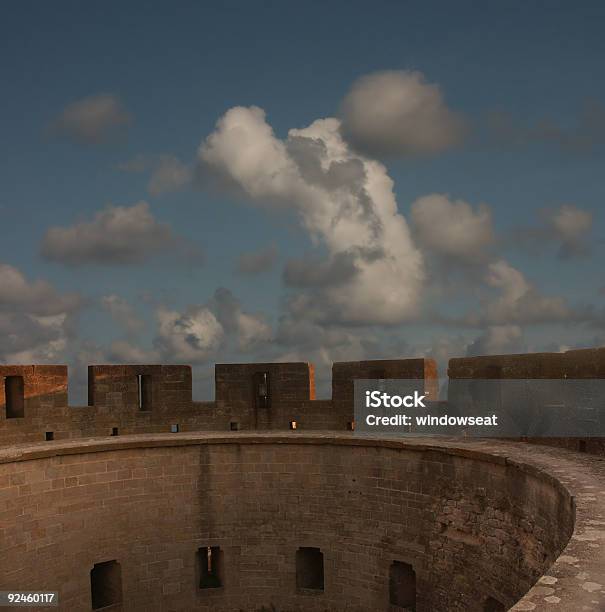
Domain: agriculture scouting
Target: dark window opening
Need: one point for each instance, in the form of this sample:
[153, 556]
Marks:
[210, 559]
[261, 390]
[114, 431]
[49, 435]
[402, 585]
[582, 446]
[293, 425]
[351, 426]
[234, 426]
[493, 605]
[14, 396]
[310, 569]
[106, 584]
[144, 390]
[174, 428]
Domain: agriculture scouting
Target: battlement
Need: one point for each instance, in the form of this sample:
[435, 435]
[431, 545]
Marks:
[125, 399]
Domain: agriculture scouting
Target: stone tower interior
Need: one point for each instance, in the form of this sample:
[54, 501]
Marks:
[267, 499]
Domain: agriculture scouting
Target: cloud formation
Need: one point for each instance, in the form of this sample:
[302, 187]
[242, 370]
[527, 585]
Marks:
[452, 229]
[36, 320]
[92, 120]
[398, 113]
[116, 235]
[343, 200]
[201, 332]
[518, 301]
[567, 227]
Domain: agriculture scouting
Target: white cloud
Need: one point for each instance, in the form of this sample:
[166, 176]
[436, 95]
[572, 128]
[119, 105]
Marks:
[393, 113]
[344, 201]
[92, 120]
[35, 318]
[38, 297]
[116, 235]
[453, 229]
[192, 336]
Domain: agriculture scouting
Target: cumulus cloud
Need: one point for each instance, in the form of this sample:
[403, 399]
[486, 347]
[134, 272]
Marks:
[452, 229]
[202, 331]
[92, 120]
[36, 297]
[393, 113]
[36, 319]
[116, 235]
[192, 336]
[251, 330]
[343, 200]
[518, 301]
[567, 227]
[257, 262]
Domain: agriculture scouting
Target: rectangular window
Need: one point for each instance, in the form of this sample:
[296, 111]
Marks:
[402, 585]
[210, 560]
[106, 584]
[174, 428]
[261, 390]
[14, 397]
[114, 431]
[234, 426]
[144, 382]
[293, 425]
[49, 435]
[310, 568]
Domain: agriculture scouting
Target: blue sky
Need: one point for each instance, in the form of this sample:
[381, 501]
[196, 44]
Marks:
[172, 70]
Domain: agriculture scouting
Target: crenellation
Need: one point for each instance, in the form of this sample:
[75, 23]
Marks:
[250, 396]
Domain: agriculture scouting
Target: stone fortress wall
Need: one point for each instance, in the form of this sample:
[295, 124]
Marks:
[127, 399]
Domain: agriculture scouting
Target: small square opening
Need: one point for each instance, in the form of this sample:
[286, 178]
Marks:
[210, 563]
[234, 426]
[106, 584]
[114, 431]
[310, 568]
[14, 397]
[174, 428]
[49, 435]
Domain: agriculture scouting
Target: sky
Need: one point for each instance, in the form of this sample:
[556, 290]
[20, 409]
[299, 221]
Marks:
[203, 182]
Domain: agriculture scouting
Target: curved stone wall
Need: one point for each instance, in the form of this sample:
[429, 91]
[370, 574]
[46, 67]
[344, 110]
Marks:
[478, 528]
